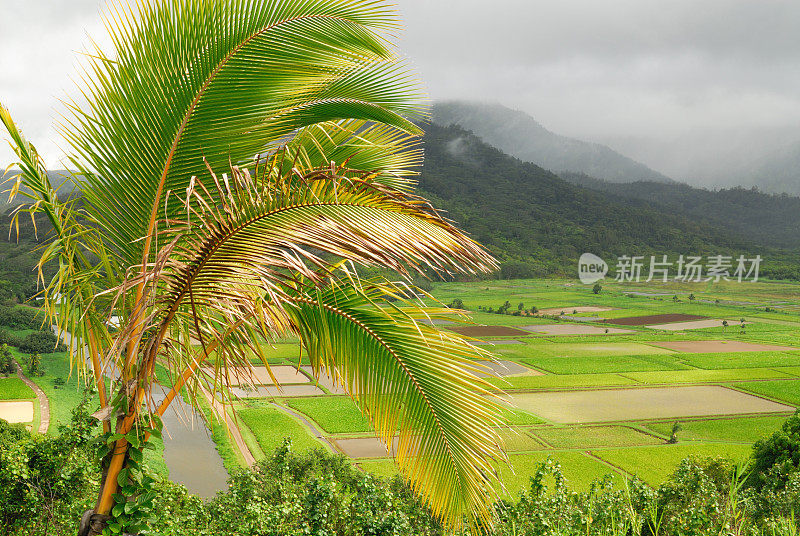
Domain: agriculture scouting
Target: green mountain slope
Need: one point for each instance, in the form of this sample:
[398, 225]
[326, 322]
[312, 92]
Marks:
[766, 219]
[536, 221]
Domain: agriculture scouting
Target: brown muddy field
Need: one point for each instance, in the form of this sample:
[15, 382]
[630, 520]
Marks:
[488, 331]
[261, 376]
[693, 324]
[652, 319]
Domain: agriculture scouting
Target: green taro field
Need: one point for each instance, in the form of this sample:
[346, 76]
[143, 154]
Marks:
[596, 396]
[596, 402]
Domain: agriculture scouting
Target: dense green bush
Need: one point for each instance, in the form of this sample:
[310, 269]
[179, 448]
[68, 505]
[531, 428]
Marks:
[46, 482]
[20, 317]
[7, 366]
[41, 342]
[777, 457]
[312, 493]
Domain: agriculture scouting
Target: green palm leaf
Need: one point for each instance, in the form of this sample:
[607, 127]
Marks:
[265, 249]
[413, 381]
[224, 81]
[311, 96]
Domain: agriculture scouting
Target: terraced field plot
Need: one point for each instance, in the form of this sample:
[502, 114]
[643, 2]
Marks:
[693, 324]
[488, 331]
[654, 464]
[602, 364]
[735, 430]
[575, 329]
[284, 374]
[708, 347]
[590, 349]
[506, 368]
[572, 310]
[596, 401]
[576, 437]
[17, 411]
[654, 319]
[651, 403]
[264, 391]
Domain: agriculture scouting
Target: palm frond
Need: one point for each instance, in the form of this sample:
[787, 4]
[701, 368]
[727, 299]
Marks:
[414, 382]
[263, 250]
[76, 249]
[224, 81]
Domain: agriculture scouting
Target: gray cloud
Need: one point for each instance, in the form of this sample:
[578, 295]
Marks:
[39, 45]
[595, 69]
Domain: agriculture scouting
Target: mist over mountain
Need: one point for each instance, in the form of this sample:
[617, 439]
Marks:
[538, 223]
[521, 136]
[777, 172]
[768, 158]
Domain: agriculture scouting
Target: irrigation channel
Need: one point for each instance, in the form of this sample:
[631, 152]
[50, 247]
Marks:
[189, 452]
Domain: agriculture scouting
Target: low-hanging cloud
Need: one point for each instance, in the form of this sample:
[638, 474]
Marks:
[586, 68]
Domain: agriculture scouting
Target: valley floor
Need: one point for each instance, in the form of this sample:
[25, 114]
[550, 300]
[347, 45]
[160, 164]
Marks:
[598, 397]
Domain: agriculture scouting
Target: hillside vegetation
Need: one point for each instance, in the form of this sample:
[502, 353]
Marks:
[539, 224]
[768, 219]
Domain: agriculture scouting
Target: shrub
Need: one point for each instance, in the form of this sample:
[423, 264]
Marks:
[6, 361]
[41, 342]
[777, 457]
[457, 304]
[597, 288]
[18, 317]
[46, 482]
[35, 365]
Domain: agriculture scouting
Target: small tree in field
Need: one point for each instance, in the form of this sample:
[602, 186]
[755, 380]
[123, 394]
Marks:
[673, 437]
[597, 288]
[457, 303]
[35, 365]
[6, 361]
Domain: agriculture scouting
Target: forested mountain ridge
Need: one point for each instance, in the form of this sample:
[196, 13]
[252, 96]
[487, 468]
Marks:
[537, 222]
[521, 136]
[766, 219]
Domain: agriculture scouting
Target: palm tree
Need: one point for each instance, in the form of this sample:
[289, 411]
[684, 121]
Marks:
[238, 161]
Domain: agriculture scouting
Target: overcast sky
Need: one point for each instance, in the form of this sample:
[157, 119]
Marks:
[592, 69]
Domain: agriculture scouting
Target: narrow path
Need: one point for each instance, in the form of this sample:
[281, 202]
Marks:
[314, 430]
[233, 428]
[44, 404]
